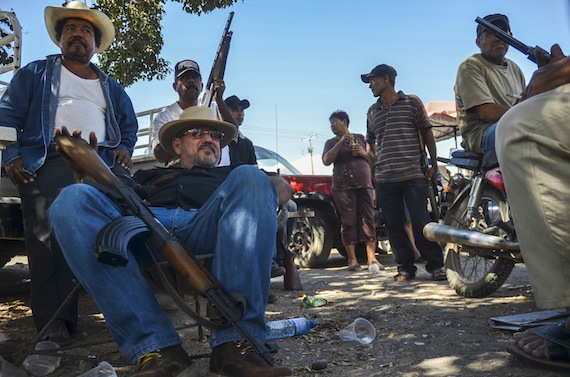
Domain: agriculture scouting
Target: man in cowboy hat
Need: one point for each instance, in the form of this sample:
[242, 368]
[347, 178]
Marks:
[63, 89]
[227, 211]
[188, 84]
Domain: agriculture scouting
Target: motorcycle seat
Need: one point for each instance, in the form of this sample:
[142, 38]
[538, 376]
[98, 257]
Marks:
[466, 159]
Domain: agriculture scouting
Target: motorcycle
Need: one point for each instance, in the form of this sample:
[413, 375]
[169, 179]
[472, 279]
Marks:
[481, 247]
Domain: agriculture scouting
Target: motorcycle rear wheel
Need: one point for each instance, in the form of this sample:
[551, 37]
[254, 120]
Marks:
[469, 274]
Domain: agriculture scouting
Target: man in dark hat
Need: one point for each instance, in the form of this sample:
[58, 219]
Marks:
[188, 84]
[393, 128]
[225, 211]
[86, 100]
[486, 86]
[241, 148]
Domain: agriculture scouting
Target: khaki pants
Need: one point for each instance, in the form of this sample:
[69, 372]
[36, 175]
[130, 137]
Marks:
[533, 148]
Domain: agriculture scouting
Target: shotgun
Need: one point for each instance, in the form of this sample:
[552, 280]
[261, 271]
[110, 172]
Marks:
[219, 65]
[530, 52]
[86, 160]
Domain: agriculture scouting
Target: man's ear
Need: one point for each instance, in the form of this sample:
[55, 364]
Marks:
[201, 86]
[174, 86]
[177, 145]
[477, 41]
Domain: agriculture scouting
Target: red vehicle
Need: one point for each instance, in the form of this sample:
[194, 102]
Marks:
[313, 237]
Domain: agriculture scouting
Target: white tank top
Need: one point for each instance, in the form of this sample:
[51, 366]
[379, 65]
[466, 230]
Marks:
[81, 105]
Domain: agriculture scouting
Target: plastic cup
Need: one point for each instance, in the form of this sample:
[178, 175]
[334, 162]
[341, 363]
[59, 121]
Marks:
[361, 330]
[10, 370]
[42, 365]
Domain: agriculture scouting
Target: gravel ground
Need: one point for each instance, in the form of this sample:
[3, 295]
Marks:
[423, 327]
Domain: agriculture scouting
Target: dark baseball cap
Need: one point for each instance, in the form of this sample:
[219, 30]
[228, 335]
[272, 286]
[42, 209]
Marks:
[233, 101]
[184, 66]
[379, 70]
[499, 20]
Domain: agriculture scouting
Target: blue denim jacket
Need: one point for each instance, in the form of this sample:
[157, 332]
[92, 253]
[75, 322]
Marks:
[29, 105]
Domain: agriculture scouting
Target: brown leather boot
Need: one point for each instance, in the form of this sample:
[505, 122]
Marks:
[168, 362]
[238, 359]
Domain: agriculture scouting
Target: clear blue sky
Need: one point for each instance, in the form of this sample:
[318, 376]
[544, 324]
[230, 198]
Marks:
[299, 60]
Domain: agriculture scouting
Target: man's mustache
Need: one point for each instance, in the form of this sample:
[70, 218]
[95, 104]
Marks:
[208, 145]
[192, 85]
[77, 40]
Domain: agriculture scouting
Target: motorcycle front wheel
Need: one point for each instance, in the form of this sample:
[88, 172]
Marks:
[470, 273]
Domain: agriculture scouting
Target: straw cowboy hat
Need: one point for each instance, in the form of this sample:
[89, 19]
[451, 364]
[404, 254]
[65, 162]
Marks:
[194, 116]
[77, 9]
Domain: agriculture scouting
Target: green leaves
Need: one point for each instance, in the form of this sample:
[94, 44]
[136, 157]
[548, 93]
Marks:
[135, 53]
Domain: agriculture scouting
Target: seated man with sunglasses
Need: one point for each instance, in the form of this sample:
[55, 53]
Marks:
[221, 210]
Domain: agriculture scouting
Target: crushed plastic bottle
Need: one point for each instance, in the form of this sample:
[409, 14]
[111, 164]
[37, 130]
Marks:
[42, 365]
[314, 302]
[289, 327]
[104, 369]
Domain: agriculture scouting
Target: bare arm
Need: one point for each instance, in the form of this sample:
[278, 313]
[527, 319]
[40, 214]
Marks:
[330, 156]
[549, 76]
[371, 158]
[225, 112]
[432, 149]
[490, 112]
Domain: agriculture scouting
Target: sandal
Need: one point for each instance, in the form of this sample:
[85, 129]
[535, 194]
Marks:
[557, 342]
[438, 274]
[403, 276]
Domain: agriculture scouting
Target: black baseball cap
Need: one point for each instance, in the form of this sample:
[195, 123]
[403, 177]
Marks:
[184, 66]
[233, 101]
[379, 70]
[499, 20]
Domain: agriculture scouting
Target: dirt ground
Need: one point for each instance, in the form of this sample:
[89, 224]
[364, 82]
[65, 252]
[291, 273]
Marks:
[423, 327]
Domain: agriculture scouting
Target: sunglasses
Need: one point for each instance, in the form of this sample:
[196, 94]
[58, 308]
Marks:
[198, 133]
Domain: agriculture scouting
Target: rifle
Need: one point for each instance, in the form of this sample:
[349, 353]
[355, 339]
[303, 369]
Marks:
[530, 52]
[431, 183]
[186, 264]
[219, 65]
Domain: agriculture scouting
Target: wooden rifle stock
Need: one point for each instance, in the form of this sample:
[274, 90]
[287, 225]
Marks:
[86, 160]
[219, 65]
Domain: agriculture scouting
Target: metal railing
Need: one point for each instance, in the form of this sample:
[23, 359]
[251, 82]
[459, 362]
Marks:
[143, 148]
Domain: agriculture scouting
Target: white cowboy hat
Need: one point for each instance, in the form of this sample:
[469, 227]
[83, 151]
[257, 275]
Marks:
[194, 116]
[77, 9]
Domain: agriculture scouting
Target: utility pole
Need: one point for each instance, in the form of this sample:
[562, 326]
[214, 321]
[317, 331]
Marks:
[310, 150]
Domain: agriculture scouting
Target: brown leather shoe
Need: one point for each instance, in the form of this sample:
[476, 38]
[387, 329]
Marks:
[238, 359]
[168, 362]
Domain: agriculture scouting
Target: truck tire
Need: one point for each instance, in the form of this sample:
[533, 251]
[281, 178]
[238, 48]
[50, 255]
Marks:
[311, 239]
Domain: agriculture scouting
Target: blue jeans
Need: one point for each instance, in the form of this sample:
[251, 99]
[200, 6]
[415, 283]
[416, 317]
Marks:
[237, 224]
[391, 197]
[488, 147]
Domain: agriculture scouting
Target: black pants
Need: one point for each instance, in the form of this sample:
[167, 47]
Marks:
[391, 197]
[52, 280]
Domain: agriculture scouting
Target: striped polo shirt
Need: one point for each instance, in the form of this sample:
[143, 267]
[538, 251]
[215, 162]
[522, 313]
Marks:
[394, 134]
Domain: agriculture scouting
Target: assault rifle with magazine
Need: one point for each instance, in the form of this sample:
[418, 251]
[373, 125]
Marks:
[139, 219]
[529, 51]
